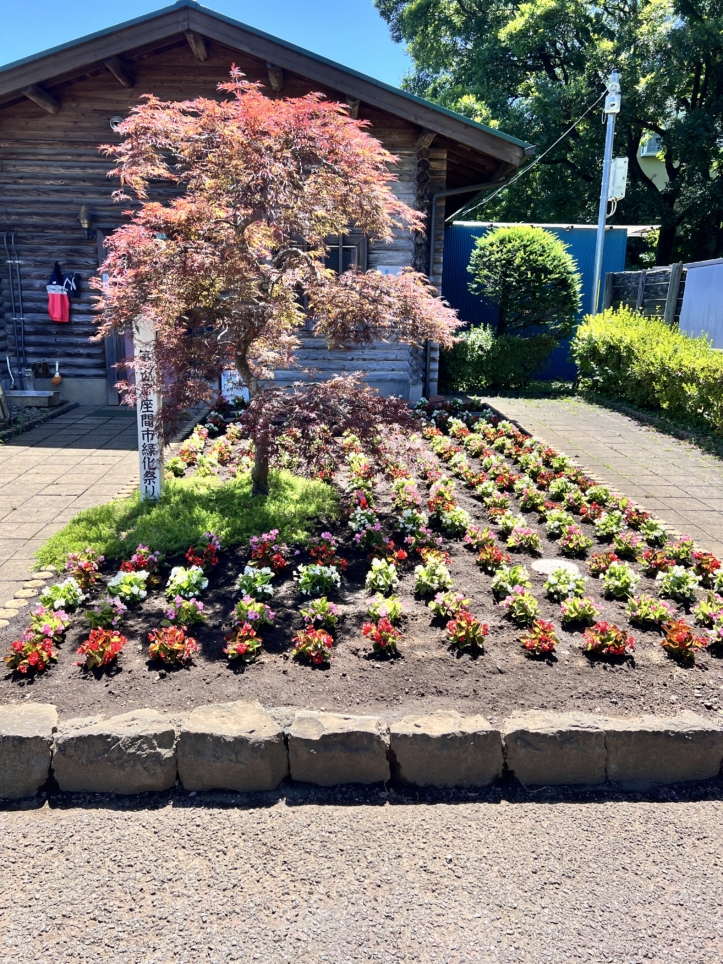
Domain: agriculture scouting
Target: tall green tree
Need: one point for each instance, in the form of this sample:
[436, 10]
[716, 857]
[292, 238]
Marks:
[534, 67]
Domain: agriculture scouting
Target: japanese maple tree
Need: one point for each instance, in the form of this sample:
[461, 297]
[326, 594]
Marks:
[232, 265]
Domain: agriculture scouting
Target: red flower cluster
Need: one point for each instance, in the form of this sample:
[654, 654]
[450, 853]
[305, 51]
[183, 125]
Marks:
[30, 653]
[388, 551]
[383, 635]
[266, 551]
[540, 638]
[600, 562]
[591, 512]
[492, 558]
[323, 550]
[607, 640]
[680, 640]
[313, 644]
[100, 648]
[657, 560]
[466, 630]
[142, 559]
[172, 645]
[705, 565]
[243, 644]
[206, 554]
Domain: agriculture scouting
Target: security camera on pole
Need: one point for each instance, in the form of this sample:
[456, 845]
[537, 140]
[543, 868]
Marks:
[612, 109]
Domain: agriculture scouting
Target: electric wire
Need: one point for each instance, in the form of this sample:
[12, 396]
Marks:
[529, 167]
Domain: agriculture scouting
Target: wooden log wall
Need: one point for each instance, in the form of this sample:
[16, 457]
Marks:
[655, 291]
[50, 166]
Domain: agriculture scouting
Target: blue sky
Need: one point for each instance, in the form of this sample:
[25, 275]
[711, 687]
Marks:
[350, 32]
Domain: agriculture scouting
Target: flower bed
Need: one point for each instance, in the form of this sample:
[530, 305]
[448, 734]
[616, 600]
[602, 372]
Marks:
[427, 591]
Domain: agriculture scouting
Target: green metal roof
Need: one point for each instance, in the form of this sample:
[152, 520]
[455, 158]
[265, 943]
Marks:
[266, 36]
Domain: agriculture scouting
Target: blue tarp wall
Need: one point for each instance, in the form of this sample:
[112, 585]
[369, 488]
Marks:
[459, 239]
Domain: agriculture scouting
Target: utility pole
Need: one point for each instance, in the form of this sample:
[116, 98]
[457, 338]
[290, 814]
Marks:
[612, 109]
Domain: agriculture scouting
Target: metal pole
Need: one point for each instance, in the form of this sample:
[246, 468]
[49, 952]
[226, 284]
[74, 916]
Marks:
[612, 108]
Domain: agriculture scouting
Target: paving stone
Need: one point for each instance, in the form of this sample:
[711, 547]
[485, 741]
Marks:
[34, 583]
[16, 603]
[546, 566]
[445, 749]
[4, 623]
[231, 746]
[330, 748]
[131, 753]
[550, 749]
[8, 613]
[650, 749]
[26, 737]
[26, 593]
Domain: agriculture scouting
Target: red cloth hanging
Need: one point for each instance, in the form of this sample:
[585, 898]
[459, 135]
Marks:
[58, 300]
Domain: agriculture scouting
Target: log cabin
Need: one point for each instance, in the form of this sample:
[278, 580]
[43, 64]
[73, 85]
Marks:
[57, 107]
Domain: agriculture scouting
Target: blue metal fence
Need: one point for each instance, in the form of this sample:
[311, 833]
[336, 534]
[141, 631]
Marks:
[459, 240]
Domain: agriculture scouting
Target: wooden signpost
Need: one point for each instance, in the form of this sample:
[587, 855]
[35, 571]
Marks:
[148, 409]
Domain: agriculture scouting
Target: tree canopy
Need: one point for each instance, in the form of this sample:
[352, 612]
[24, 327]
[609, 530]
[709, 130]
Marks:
[531, 277]
[534, 66]
[231, 267]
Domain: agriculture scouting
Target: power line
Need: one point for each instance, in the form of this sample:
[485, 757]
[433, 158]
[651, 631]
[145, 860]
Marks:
[536, 161]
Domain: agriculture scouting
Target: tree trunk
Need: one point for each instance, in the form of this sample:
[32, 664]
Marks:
[260, 472]
[666, 240]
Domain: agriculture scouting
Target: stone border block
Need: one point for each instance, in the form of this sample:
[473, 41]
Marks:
[445, 749]
[26, 739]
[131, 753]
[652, 749]
[331, 748]
[551, 749]
[231, 746]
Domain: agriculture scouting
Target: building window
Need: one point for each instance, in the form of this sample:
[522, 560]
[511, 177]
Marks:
[346, 250]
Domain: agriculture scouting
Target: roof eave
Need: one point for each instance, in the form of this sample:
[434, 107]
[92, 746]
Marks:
[188, 15]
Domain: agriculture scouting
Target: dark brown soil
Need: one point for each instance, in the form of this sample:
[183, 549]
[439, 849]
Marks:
[427, 675]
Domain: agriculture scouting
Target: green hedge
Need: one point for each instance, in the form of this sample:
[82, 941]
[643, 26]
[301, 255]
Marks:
[626, 355]
[481, 360]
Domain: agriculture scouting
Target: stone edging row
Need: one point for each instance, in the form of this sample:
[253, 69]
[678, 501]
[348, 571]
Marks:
[245, 747]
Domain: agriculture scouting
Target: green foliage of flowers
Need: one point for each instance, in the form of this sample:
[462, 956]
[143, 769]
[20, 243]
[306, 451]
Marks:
[65, 595]
[455, 521]
[248, 610]
[609, 524]
[558, 488]
[382, 578]
[256, 582]
[506, 578]
[627, 545]
[573, 541]
[598, 493]
[619, 581]
[563, 582]
[389, 607]
[654, 532]
[580, 610]
[556, 520]
[678, 583]
[521, 606]
[320, 614]
[709, 611]
[432, 577]
[129, 587]
[524, 539]
[186, 582]
[446, 605]
[648, 611]
[191, 506]
[508, 522]
[315, 580]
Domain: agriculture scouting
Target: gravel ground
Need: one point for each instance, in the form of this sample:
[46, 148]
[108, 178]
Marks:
[339, 877]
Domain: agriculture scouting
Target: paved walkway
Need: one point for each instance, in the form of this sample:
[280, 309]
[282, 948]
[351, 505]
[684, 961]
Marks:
[682, 485]
[80, 459]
